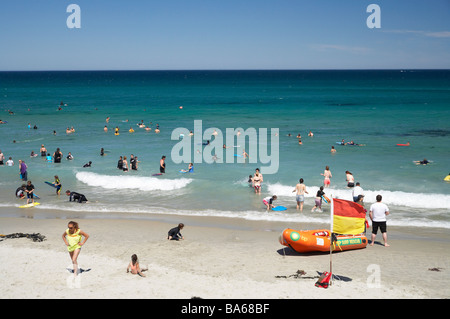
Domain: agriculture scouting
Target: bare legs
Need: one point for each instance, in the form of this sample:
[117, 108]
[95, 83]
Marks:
[74, 256]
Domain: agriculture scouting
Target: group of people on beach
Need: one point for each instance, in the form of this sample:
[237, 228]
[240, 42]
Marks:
[300, 190]
[28, 188]
[378, 211]
[75, 238]
[255, 180]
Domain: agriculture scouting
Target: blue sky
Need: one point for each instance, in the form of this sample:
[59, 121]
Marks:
[224, 34]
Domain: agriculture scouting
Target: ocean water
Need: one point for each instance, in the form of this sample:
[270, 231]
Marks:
[378, 109]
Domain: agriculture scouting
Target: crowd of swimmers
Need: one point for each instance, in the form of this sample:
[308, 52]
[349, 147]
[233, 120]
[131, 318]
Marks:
[255, 181]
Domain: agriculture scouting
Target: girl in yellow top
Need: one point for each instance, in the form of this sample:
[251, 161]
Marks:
[72, 237]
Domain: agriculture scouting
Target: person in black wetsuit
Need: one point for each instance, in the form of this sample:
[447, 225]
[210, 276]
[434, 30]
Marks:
[57, 156]
[76, 197]
[29, 189]
[20, 192]
[174, 233]
[88, 164]
[424, 162]
[162, 165]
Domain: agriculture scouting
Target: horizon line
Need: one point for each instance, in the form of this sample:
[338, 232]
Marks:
[222, 70]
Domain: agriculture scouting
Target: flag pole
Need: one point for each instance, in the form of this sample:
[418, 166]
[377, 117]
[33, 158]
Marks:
[331, 238]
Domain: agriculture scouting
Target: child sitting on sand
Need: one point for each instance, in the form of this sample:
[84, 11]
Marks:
[134, 266]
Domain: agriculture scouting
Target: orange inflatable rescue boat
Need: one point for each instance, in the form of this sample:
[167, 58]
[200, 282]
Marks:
[304, 241]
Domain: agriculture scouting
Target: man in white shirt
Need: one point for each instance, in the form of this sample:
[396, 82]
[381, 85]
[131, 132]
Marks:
[378, 213]
[10, 162]
[357, 191]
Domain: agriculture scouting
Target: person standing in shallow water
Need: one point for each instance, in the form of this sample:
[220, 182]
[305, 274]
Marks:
[327, 177]
[57, 156]
[23, 170]
[300, 188]
[162, 165]
[72, 238]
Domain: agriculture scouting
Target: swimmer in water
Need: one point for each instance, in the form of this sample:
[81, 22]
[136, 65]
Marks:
[43, 151]
[125, 164]
[162, 165]
[88, 164]
[424, 162]
[190, 169]
[327, 176]
[257, 179]
[350, 179]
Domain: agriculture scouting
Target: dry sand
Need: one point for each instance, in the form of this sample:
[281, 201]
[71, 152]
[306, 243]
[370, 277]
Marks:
[212, 262]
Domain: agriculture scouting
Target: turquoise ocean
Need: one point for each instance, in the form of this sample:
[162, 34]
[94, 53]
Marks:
[378, 109]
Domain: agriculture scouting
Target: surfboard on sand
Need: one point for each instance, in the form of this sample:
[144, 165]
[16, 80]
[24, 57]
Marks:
[279, 208]
[30, 205]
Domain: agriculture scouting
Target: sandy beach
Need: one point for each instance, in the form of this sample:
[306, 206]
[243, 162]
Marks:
[216, 260]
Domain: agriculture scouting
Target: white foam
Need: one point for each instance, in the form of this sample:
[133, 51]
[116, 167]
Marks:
[397, 198]
[290, 217]
[132, 182]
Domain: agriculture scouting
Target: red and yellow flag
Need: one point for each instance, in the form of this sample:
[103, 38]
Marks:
[348, 217]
